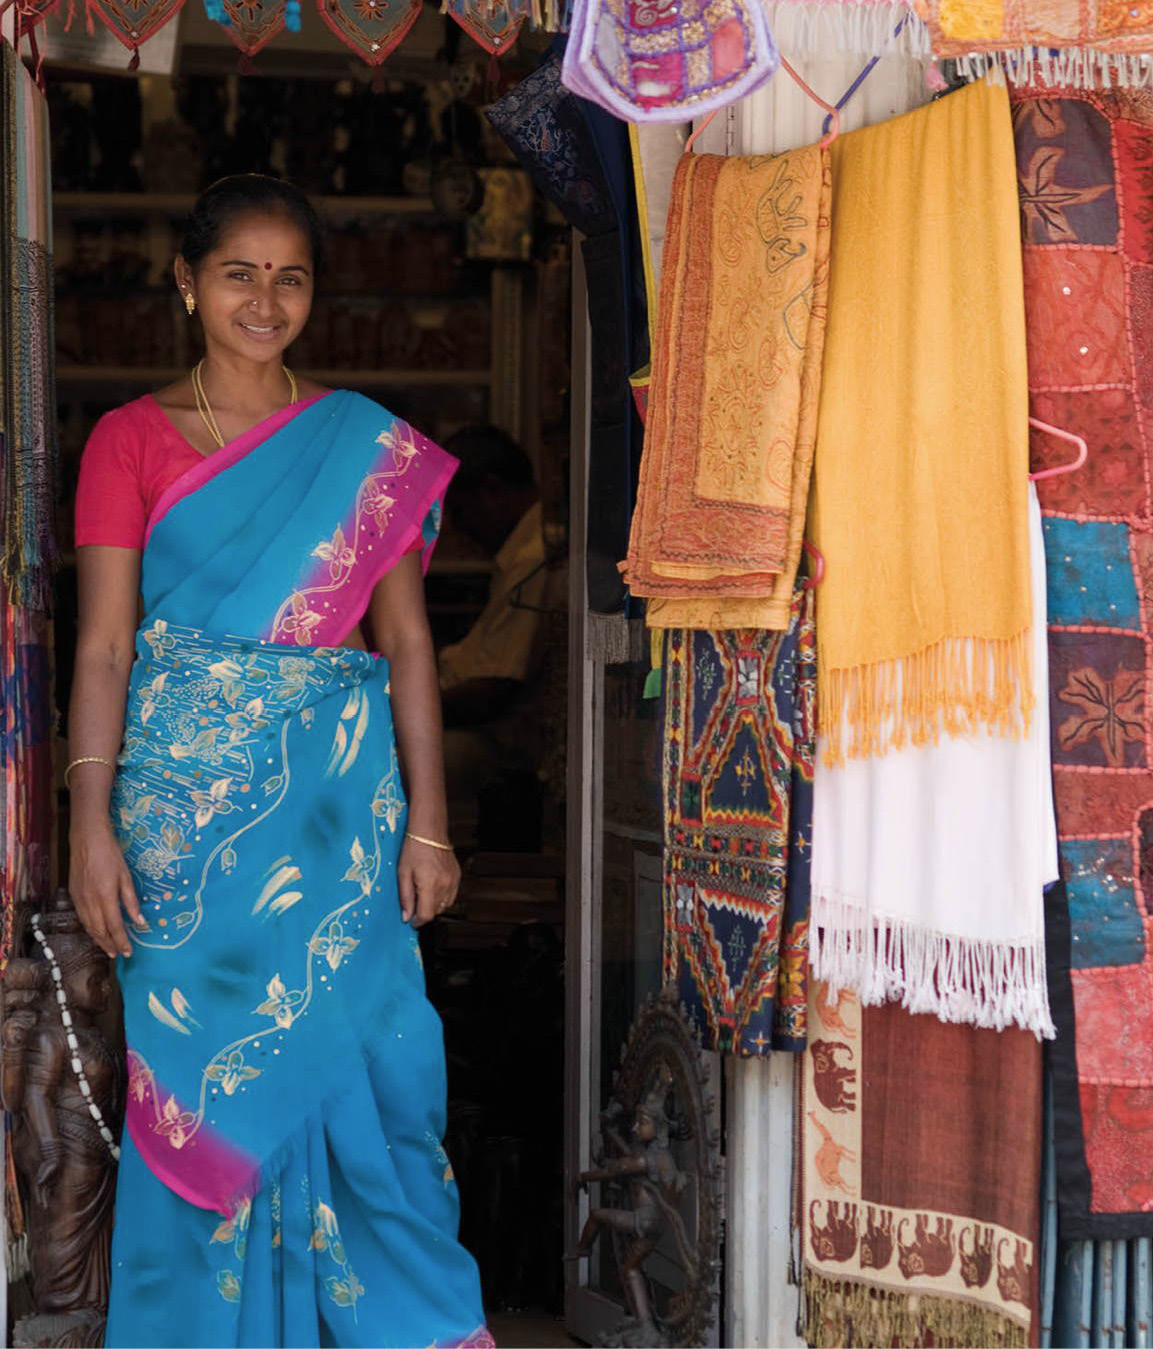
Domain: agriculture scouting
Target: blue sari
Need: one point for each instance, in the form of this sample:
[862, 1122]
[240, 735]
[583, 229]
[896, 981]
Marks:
[282, 1179]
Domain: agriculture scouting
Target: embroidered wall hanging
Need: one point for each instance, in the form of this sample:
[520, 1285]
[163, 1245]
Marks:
[1086, 192]
[667, 60]
[738, 779]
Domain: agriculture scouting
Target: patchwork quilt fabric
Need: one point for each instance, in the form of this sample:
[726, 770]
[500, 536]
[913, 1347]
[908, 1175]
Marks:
[1086, 185]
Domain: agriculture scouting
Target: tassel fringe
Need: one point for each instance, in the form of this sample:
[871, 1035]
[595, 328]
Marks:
[616, 640]
[847, 1312]
[959, 979]
[854, 28]
[956, 687]
[1064, 67]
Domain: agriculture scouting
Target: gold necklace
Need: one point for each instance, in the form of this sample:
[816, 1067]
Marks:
[205, 408]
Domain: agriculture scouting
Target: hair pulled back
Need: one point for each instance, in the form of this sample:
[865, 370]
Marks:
[244, 194]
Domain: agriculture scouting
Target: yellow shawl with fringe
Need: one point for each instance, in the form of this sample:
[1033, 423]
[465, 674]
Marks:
[920, 502]
[729, 438]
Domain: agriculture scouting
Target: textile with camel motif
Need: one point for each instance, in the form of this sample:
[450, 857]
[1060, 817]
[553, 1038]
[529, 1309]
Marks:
[1086, 184]
[738, 780]
[732, 414]
[919, 1203]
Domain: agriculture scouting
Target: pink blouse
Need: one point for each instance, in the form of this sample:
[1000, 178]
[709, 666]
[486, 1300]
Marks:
[132, 457]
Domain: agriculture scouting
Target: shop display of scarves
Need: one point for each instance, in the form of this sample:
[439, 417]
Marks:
[739, 740]
[1086, 203]
[919, 1201]
[27, 492]
[283, 1179]
[930, 644]
[718, 527]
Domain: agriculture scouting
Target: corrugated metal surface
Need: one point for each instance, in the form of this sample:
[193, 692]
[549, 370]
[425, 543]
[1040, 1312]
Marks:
[1094, 1294]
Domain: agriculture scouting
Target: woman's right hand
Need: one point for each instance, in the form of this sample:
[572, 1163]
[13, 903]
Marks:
[101, 887]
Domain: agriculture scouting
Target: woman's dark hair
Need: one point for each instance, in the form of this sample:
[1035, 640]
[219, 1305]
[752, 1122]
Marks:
[241, 194]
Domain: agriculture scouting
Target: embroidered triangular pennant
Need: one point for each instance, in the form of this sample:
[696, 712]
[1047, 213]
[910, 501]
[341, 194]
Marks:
[133, 22]
[372, 28]
[494, 24]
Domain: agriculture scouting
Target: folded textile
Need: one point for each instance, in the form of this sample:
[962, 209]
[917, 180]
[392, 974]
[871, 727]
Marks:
[1080, 41]
[667, 62]
[717, 532]
[920, 500]
[739, 730]
[1087, 199]
[897, 910]
[921, 1178]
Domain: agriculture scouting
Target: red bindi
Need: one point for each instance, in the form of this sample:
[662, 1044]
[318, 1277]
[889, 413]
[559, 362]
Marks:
[268, 266]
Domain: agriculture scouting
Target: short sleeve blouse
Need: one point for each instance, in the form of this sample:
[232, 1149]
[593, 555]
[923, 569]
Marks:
[132, 457]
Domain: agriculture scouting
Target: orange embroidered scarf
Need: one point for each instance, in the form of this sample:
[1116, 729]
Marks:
[717, 531]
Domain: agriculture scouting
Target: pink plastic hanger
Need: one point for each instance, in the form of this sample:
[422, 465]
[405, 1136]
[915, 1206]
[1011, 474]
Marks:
[834, 118]
[698, 129]
[1079, 441]
[834, 112]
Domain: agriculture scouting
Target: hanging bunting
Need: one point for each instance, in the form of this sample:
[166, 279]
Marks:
[252, 24]
[372, 28]
[494, 24]
[133, 22]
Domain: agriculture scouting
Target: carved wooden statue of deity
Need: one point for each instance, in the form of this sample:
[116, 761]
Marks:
[68, 1172]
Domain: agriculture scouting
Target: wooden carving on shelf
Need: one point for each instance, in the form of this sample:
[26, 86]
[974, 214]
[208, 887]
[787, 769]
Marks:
[65, 1169]
[660, 1177]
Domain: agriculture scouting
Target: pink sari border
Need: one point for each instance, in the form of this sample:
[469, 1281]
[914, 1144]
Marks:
[366, 583]
[409, 477]
[212, 464]
[203, 1167]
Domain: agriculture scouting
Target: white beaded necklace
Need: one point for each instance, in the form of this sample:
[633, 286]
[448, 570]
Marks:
[73, 1044]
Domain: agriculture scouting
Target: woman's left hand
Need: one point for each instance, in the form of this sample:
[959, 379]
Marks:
[428, 879]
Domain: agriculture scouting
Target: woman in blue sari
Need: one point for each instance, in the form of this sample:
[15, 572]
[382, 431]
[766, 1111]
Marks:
[258, 825]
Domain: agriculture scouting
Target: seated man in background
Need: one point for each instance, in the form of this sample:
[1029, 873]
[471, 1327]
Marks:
[494, 501]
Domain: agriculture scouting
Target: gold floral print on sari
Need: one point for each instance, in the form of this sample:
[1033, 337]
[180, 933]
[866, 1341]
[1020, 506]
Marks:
[345, 1289]
[376, 498]
[233, 1232]
[216, 759]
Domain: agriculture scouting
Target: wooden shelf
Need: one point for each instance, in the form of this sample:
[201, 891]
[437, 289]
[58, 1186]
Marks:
[177, 203]
[123, 374]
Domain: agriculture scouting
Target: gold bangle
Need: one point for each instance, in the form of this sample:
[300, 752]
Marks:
[87, 758]
[431, 842]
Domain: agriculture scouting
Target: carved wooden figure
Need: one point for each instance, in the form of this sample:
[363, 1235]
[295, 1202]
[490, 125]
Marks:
[66, 1166]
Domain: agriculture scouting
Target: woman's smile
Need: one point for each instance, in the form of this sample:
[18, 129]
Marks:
[261, 332]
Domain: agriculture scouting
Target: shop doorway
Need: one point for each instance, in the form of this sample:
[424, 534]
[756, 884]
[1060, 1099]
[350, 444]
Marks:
[446, 299]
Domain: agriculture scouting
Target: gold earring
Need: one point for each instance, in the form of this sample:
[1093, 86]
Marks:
[189, 301]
